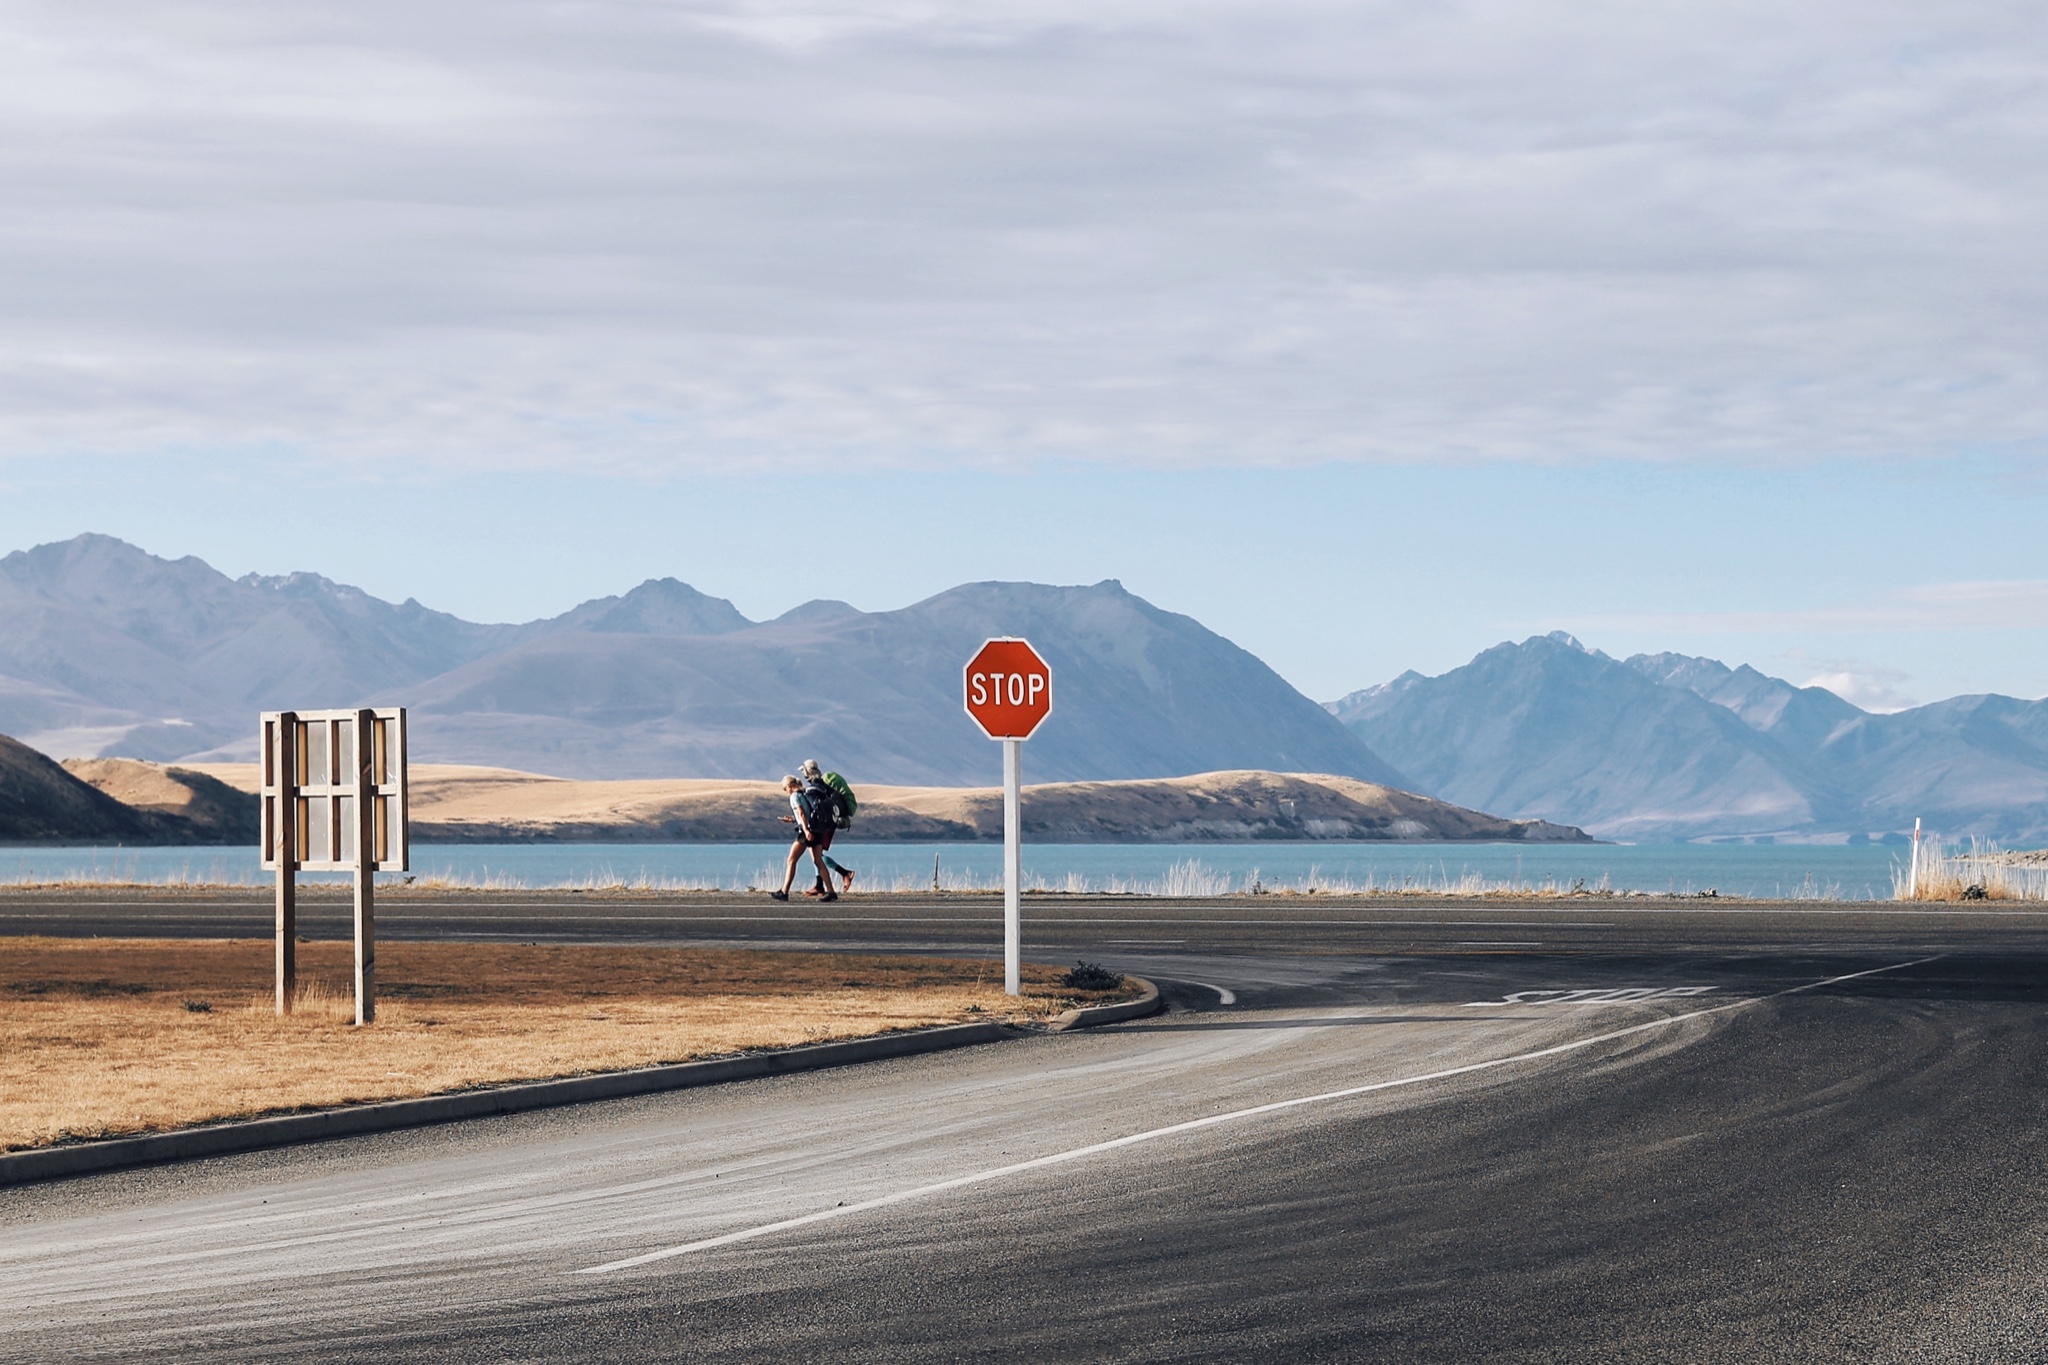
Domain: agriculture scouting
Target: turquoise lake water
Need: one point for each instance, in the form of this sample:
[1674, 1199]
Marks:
[1820, 871]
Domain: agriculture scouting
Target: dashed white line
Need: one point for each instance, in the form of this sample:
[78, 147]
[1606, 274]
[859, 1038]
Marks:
[1210, 1121]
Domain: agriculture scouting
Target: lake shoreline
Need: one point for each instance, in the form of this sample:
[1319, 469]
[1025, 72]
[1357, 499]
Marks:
[1188, 870]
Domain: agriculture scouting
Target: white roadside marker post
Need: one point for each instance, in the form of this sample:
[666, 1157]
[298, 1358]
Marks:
[1009, 693]
[1913, 873]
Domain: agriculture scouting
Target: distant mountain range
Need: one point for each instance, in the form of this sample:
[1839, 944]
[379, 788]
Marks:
[108, 650]
[1666, 746]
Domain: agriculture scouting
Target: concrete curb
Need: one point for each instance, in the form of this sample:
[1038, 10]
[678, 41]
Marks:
[49, 1163]
[1145, 1004]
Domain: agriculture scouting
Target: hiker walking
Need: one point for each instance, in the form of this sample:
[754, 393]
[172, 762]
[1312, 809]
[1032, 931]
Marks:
[813, 832]
[829, 792]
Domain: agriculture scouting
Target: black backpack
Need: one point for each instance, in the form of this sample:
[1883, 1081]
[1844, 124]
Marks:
[822, 805]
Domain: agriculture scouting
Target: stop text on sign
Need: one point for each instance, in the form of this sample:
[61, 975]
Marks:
[1008, 689]
[1004, 689]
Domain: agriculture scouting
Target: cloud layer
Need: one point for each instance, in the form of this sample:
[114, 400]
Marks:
[648, 238]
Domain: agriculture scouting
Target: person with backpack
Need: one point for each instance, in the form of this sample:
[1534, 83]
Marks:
[833, 795]
[813, 832]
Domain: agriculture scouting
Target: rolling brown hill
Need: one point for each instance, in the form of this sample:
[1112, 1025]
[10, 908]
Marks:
[40, 802]
[181, 805]
[456, 804]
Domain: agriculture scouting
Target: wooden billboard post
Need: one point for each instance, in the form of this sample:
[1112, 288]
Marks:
[366, 865]
[281, 849]
[335, 799]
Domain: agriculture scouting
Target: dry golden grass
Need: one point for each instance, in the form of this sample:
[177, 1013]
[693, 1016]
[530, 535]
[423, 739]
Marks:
[103, 1037]
[1984, 871]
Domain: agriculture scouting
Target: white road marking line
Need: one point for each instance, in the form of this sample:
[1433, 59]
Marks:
[1210, 1121]
[1226, 997]
[1619, 995]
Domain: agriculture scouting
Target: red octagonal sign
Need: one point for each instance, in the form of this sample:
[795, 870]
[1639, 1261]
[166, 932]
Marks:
[1009, 689]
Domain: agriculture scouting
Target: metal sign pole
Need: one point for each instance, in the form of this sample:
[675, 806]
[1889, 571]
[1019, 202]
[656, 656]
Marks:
[1008, 692]
[284, 834]
[1013, 866]
[366, 867]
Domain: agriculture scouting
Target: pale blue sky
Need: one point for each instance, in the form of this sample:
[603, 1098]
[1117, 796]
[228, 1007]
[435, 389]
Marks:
[1369, 334]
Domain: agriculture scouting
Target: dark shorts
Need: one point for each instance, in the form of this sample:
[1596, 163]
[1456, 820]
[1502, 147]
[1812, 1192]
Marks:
[822, 839]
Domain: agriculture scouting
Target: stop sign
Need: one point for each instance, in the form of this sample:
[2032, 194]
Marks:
[1009, 689]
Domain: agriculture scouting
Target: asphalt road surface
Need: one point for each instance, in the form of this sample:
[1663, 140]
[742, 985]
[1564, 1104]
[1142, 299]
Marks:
[1573, 1131]
[1126, 927]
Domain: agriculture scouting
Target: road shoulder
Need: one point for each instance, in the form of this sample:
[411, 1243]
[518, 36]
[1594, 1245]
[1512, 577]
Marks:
[221, 1139]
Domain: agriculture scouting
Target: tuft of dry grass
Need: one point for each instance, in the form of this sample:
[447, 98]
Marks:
[107, 1037]
[1983, 872]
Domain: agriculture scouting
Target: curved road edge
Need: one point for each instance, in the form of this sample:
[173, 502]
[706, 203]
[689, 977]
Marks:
[1091, 1015]
[221, 1139]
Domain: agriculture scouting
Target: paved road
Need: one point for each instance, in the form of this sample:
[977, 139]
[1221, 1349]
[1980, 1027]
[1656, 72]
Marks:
[1121, 926]
[1660, 1134]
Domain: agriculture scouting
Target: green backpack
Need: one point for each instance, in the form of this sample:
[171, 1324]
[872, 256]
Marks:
[843, 817]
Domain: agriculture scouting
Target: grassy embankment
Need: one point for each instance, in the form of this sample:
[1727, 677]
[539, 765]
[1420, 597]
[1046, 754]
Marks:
[105, 1037]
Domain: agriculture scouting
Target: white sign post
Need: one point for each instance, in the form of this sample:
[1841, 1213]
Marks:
[1009, 693]
[1013, 871]
[335, 799]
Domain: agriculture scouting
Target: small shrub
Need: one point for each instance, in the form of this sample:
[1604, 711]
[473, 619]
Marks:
[199, 1006]
[1090, 976]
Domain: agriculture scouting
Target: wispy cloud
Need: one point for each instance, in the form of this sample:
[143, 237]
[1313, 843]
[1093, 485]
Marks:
[1860, 690]
[2020, 604]
[756, 234]
[1872, 686]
